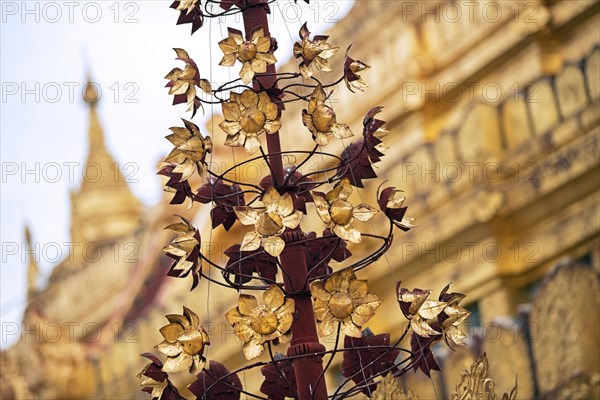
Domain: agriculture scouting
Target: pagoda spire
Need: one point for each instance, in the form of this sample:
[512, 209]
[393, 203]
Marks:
[33, 269]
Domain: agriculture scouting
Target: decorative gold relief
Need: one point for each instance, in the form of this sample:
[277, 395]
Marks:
[476, 384]
[389, 389]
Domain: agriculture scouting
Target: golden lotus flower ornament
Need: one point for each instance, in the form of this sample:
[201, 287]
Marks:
[338, 214]
[279, 214]
[315, 52]
[353, 71]
[343, 298]
[184, 81]
[256, 324]
[247, 116]
[184, 342]
[190, 151]
[186, 5]
[321, 120]
[255, 54]
[421, 310]
[451, 325]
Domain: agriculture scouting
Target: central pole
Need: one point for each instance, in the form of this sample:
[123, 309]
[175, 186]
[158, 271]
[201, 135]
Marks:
[308, 369]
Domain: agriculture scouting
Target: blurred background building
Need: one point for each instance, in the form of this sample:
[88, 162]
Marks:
[493, 109]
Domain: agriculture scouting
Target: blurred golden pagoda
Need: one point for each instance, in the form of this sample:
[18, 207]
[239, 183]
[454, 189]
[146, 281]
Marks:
[534, 306]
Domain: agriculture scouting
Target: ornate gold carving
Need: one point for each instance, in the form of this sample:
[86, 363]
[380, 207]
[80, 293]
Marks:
[389, 389]
[592, 71]
[568, 298]
[542, 106]
[479, 136]
[477, 385]
[570, 89]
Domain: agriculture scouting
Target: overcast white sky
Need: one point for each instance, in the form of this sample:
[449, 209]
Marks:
[45, 50]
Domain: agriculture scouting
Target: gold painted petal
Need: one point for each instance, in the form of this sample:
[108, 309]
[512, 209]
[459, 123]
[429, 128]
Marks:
[364, 212]
[422, 328]
[370, 300]
[177, 364]
[171, 332]
[362, 314]
[246, 215]
[169, 349]
[233, 316]
[455, 335]
[273, 297]
[258, 66]
[285, 205]
[318, 290]
[192, 342]
[263, 101]
[342, 190]
[354, 235]
[231, 111]
[236, 36]
[249, 99]
[229, 46]
[228, 60]
[252, 144]
[270, 199]
[342, 232]
[274, 245]
[321, 139]
[233, 141]
[251, 241]
[285, 320]
[350, 329]
[230, 127]
[181, 53]
[322, 64]
[178, 319]
[326, 326]
[320, 309]
[252, 349]
[243, 331]
[346, 276]
[328, 53]
[266, 57]
[358, 288]
[333, 283]
[246, 304]
[263, 45]
[246, 73]
[272, 126]
[271, 111]
[174, 74]
[179, 87]
[257, 34]
[292, 220]
[197, 365]
[322, 206]
[192, 317]
[431, 308]
[341, 131]
[306, 71]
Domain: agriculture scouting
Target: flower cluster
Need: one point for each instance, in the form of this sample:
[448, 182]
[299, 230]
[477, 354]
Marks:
[278, 215]
[190, 151]
[343, 298]
[255, 324]
[185, 250]
[182, 83]
[338, 213]
[184, 342]
[254, 54]
[247, 116]
[315, 52]
[321, 121]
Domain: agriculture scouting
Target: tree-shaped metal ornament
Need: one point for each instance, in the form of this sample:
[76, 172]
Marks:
[313, 299]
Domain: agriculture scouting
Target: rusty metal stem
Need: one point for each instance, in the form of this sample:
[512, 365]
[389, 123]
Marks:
[305, 341]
